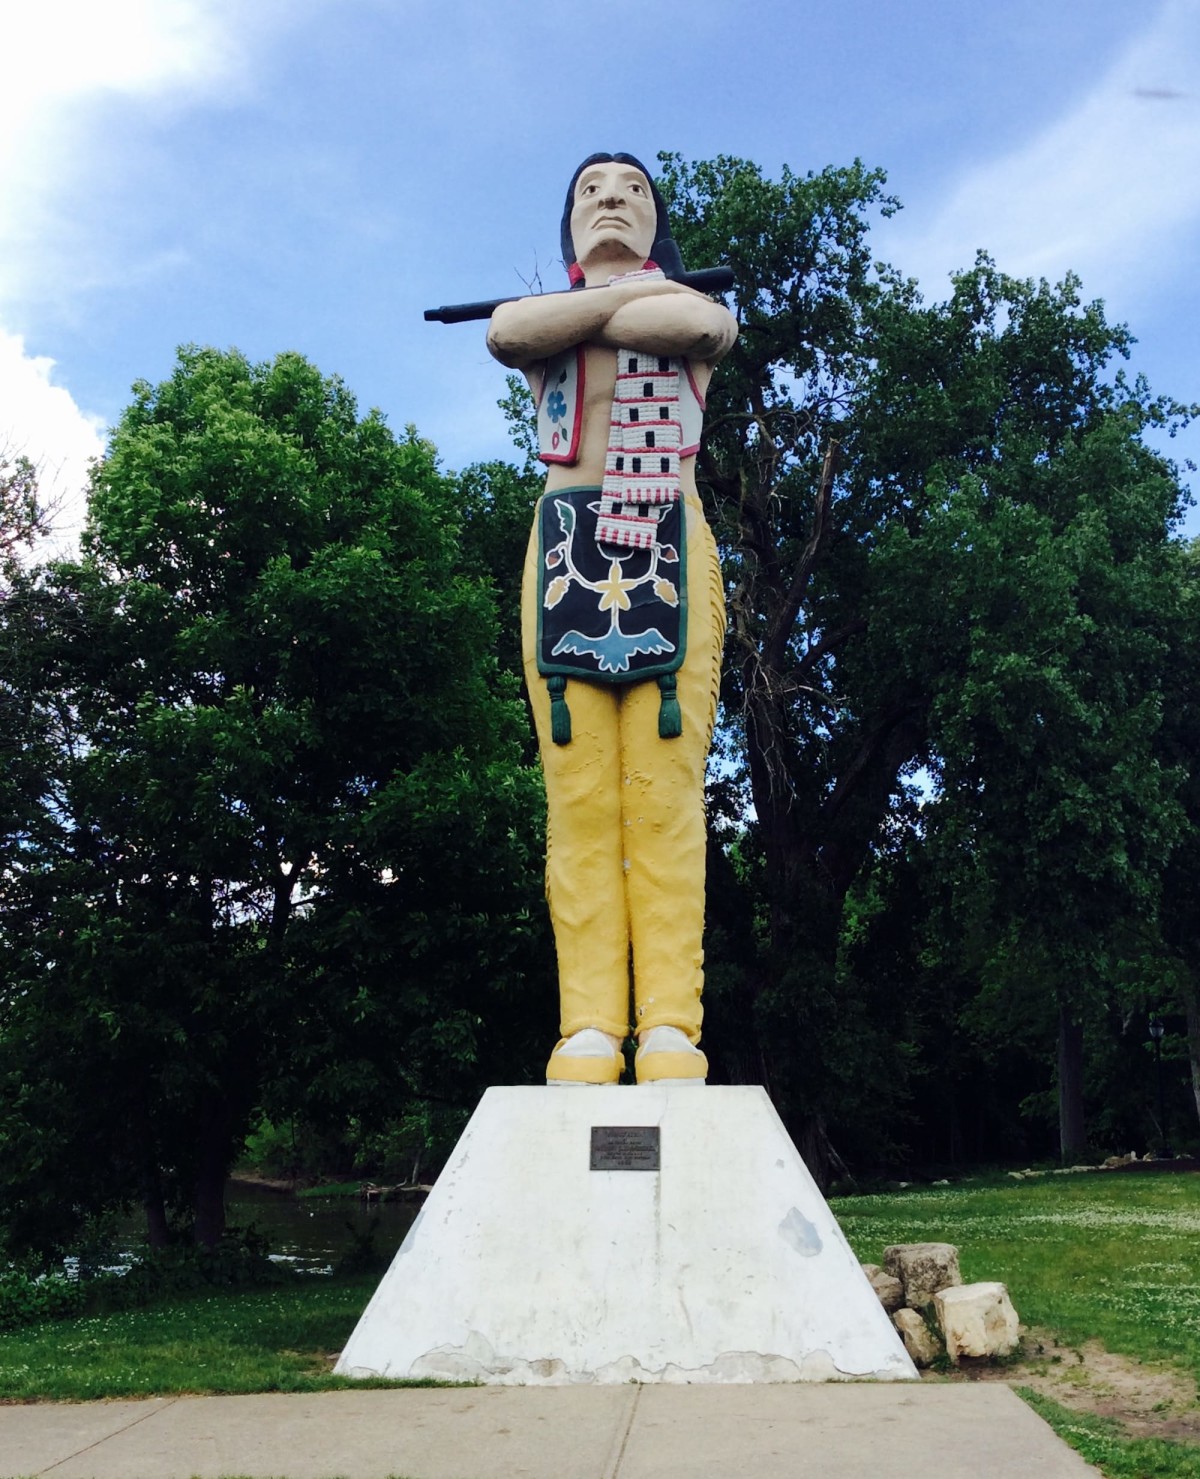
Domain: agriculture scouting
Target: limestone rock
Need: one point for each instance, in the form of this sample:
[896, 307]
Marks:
[976, 1320]
[923, 1269]
[919, 1341]
[890, 1290]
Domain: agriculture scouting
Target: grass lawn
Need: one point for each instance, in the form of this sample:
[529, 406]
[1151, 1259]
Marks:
[260, 1340]
[1110, 1256]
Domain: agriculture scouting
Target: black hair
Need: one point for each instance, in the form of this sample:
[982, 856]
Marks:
[664, 252]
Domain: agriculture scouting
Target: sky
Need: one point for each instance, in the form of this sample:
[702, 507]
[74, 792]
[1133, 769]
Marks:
[311, 174]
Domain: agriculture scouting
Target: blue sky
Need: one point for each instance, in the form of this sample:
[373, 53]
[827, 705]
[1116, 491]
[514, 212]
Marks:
[311, 174]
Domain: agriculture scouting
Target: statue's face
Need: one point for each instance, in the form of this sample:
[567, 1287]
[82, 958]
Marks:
[614, 217]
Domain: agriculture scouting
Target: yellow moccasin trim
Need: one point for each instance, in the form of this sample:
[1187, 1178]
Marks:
[567, 1070]
[651, 1067]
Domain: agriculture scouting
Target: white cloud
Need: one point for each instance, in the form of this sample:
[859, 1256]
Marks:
[61, 58]
[41, 421]
[1111, 190]
[66, 47]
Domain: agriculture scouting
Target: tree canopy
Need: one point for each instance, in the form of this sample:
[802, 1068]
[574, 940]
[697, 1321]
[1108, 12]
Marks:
[266, 695]
[948, 550]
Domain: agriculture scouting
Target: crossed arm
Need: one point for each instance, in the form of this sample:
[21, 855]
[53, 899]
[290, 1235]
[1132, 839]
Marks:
[656, 317]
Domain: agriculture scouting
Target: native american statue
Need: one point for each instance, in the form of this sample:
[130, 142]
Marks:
[623, 622]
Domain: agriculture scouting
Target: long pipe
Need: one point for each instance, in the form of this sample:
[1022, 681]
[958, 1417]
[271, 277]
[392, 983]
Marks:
[704, 280]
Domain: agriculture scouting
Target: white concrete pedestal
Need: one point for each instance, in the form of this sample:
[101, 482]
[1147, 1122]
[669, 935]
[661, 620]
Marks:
[525, 1267]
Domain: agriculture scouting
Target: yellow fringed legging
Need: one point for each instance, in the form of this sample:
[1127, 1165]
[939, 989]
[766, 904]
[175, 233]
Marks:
[625, 843]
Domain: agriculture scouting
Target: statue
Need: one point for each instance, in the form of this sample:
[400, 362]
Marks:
[623, 622]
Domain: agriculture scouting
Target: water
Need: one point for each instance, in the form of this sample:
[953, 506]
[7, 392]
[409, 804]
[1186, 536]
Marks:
[312, 1233]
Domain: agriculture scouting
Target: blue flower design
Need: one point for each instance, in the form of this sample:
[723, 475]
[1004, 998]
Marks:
[556, 406]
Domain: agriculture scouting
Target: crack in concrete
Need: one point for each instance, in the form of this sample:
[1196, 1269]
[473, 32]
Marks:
[116, 1433]
[613, 1470]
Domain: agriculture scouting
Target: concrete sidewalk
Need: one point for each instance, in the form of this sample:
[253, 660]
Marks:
[835, 1431]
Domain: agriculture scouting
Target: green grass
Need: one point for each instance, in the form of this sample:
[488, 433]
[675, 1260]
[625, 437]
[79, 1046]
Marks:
[1099, 1441]
[1111, 1257]
[259, 1340]
[1114, 1257]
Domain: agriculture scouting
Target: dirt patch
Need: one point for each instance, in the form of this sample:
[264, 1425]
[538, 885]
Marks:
[1148, 1401]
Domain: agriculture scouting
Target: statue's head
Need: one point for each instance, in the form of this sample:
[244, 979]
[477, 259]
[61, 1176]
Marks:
[634, 231]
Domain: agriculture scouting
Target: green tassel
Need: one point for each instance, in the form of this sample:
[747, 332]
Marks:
[560, 715]
[670, 720]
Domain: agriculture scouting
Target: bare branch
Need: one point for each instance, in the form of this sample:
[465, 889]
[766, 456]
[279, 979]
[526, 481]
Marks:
[827, 643]
[822, 531]
[533, 284]
[872, 745]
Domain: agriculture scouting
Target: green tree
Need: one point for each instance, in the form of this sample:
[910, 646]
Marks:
[1179, 971]
[267, 690]
[944, 543]
[1054, 793]
[24, 517]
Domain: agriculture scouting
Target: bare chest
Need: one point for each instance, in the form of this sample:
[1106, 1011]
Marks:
[575, 395]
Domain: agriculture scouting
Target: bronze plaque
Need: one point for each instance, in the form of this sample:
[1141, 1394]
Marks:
[625, 1148]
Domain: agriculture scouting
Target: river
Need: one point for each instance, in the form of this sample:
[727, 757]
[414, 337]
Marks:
[310, 1233]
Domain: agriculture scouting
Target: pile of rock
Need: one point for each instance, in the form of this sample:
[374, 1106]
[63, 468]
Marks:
[1113, 1163]
[921, 1288]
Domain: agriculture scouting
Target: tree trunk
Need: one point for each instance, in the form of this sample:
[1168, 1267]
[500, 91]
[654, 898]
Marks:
[210, 1206]
[954, 1131]
[1072, 1132]
[1191, 1005]
[150, 1180]
[813, 1144]
[157, 1233]
[212, 1168]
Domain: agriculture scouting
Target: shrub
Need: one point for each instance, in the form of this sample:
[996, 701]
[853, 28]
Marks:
[26, 1299]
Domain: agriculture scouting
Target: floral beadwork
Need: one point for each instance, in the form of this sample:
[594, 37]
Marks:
[613, 649]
